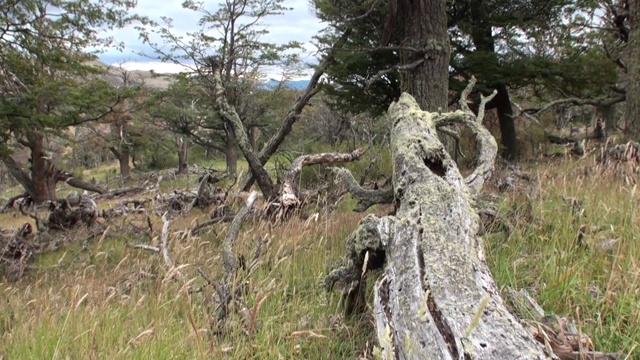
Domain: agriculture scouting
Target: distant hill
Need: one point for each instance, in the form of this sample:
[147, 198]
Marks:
[162, 81]
[292, 84]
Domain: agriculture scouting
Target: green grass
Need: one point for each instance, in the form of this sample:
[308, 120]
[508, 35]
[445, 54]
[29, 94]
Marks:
[113, 301]
[599, 289]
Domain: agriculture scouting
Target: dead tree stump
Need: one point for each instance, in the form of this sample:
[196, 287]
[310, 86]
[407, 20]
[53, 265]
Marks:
[436, 298]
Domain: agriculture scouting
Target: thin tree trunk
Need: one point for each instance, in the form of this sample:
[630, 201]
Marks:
[124, 159]
[294, 114]
[234, 124]
[484, 42]
[632, 106]
[231, 151]
[183, 155]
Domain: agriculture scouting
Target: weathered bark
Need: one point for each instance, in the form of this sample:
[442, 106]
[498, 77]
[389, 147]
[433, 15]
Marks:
[42, 170]
[436, 298]
[294, 114]
[40, 183]
[632, 106]
[183, 155]
[231, 152]
[123, 154]
[289, 196]
[424, 27]
[233, 122]
[366, 198]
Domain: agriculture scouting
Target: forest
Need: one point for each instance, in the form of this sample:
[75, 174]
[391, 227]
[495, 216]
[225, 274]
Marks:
[444, 180]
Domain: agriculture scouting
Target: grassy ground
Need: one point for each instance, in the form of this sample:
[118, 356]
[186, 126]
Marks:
[600, 288]
[113, 301]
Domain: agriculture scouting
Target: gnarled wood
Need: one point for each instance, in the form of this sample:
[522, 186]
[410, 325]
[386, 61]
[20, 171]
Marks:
[436, 298]
[289, 196]
[366, 198]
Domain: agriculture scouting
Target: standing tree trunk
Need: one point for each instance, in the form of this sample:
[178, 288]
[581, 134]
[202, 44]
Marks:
[40, 182]
[231, 151]
[123, 154]
[42, 170]
[183, 155]
[508, 137]
[632, 107]
[436, 298]
[484, 42]
[426, 72]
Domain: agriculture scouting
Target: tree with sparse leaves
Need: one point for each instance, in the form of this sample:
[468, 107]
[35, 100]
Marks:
[48, 82]
[234, 35]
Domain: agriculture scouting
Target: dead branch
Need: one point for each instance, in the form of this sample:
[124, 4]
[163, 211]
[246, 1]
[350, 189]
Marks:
[16, 252]
[120, 192]
[575, 102]
[227, 246]
[294, 114]
[63, 216]
[12, 201]
[164, 240]
[218, 220]
[77, 183]
[488, 146]
[366, 198]
[146, 247]
[289, 197]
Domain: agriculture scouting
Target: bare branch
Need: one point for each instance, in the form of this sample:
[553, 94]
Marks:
[146, 247]
[576, 102]
[164, 248]
[366, 198]
[289, 196]
[227, 247]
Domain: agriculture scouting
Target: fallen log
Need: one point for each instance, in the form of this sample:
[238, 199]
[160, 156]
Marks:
[436, 298]
[16, 251]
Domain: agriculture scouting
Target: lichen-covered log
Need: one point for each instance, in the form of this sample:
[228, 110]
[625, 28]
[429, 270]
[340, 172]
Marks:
[436, 298]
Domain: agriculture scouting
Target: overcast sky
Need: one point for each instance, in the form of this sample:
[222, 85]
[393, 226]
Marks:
[298, 24]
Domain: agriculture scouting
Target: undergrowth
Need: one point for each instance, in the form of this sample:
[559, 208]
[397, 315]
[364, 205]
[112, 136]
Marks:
[113, 301]
[594, 278]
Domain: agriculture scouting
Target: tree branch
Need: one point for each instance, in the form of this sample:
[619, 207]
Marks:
[366, 198]
[289, 196]
[294, 114]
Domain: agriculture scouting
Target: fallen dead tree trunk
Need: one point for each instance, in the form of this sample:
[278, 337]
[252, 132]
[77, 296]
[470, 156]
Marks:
[16, 251]
[289, 197]
[436, 298]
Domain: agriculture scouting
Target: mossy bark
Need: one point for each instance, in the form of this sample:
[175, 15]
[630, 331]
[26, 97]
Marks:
[436, 298]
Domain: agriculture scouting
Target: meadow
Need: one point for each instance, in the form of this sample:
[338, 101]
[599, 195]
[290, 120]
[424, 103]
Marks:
[110, 300]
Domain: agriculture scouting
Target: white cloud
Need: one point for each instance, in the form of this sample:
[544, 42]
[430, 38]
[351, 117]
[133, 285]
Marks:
[298, 24]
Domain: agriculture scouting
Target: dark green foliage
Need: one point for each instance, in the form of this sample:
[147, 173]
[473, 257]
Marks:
[544, 46]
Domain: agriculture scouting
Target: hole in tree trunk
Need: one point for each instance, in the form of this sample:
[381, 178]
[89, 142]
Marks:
[436, 166]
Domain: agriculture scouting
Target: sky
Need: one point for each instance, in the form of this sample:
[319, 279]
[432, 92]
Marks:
[298, 24]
